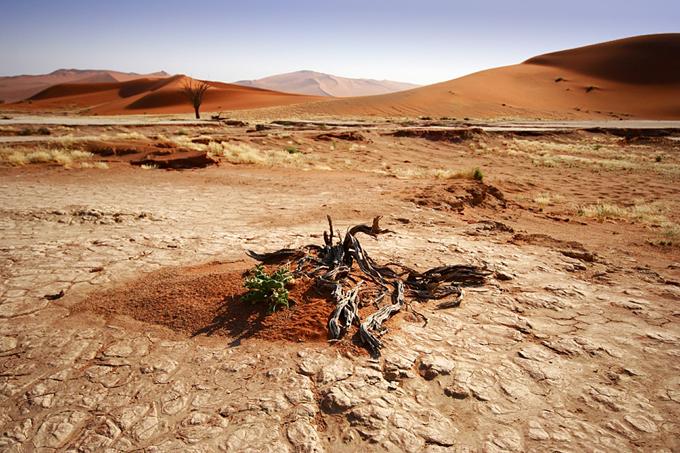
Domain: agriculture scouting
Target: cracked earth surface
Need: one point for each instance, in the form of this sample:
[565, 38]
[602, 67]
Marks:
[549, 360]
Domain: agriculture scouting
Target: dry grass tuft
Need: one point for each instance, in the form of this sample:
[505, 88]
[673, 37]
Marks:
[435, 173]
[243, 153]
[547, 199]
[62, 156]
[639, 212]
[97, 165]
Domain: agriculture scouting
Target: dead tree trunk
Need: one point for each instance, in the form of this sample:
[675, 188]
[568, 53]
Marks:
[195, 90]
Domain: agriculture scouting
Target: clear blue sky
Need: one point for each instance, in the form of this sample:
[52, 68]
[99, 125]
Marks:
[421, 41]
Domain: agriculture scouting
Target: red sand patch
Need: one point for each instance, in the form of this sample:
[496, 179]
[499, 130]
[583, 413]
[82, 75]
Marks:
[205, 299]
[456, 195]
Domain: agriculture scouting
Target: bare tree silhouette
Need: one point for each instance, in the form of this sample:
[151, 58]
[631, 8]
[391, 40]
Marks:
[194, 90]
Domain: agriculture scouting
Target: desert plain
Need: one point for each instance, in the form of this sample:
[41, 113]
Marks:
[124, 241]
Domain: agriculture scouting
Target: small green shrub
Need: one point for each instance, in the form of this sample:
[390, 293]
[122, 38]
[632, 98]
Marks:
[269, 288]
[477, 174]
[292, 150]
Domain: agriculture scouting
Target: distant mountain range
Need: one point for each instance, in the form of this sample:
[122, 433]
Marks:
[320, 84]
[16, 88]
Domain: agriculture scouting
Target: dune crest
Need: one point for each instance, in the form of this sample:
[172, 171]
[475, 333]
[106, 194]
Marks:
[649, 60]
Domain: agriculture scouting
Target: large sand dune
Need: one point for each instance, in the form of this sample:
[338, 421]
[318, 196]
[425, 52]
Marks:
[636, 77]
[320, 84]
[16, 88]
[154, 96]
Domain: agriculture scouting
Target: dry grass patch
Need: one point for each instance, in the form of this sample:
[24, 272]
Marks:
[62, 156]
[244, 153]
[596, 156]
[565, 160]
[134, 135]
[432, 173]
[639, 212]
[548, 199]
[96, 165]
[671, 232]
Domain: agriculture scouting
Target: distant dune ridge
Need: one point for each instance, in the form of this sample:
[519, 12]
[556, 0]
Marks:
[16, 88]
[152, 95]
[635, 77]
[320, 84]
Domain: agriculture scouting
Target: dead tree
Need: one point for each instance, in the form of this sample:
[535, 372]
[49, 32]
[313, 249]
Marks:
[356, 280]
[195, 90]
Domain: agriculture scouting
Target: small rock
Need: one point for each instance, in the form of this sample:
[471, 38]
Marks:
[432, 366]
[456, 391]
[641, 423]
[7, 343]
[536, 431]
[304, 437]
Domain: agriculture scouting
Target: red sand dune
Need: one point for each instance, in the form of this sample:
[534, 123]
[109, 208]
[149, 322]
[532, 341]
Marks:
[157, 96]
[16, 88]
[636, 77]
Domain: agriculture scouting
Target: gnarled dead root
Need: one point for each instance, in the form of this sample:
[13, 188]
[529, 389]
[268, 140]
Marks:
[333, 265]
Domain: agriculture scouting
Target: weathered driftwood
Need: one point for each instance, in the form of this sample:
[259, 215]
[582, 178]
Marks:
[346, 310]
[332, 265]
[372, 328]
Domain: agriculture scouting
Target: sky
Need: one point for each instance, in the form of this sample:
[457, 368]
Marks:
[419, 41]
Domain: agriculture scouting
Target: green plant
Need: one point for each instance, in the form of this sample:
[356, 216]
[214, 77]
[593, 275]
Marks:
[477, 174]
[269, 288]
[292, 150]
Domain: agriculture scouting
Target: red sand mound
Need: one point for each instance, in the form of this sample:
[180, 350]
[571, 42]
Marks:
[457, 195]
[206, 300]
[153, 96]
[631, 78]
